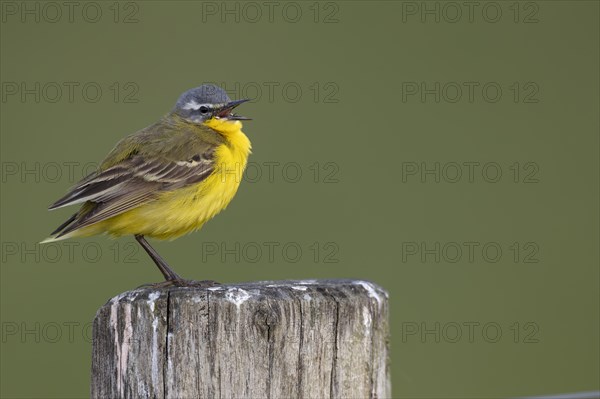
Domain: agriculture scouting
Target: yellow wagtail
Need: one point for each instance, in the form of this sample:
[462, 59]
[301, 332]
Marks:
[166, 180]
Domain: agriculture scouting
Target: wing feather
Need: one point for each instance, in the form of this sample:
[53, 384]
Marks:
[142, 184]
[181, 159]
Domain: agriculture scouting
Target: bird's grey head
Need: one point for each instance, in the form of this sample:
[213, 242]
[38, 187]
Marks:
[205, 102]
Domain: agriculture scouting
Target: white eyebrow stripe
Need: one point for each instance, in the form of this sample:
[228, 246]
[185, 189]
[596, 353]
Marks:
[193, 105]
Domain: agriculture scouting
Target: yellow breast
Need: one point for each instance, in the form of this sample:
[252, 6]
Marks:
[181, 211]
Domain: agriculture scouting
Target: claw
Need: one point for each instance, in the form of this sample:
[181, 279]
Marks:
[181, 283]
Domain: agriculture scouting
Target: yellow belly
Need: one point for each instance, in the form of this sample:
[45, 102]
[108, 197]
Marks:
[181, 211]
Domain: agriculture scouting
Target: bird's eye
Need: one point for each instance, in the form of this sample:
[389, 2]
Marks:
[204, 109]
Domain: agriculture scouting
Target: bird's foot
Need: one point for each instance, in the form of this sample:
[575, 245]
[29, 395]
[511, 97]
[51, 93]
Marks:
[180, 282]
[195, 283]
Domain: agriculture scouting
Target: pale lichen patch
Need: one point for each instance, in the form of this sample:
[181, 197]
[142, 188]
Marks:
[237, 296]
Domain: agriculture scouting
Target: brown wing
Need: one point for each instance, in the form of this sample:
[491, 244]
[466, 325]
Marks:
[130, 184]
[156, 164]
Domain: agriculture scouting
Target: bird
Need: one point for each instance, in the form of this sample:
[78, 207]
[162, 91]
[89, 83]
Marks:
[165, 180]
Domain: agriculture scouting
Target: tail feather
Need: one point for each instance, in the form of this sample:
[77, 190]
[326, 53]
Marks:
[59, 233]
[54, 239]
[65, 224]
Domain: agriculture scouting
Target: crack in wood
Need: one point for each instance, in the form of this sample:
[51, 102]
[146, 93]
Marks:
[269, 356]
[300, 367]
[333, 380]
[166, 359]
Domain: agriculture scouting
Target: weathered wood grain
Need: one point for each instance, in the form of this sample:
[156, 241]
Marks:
[274, 339]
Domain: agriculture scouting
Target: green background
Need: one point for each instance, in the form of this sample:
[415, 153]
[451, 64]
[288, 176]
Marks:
[363, 129]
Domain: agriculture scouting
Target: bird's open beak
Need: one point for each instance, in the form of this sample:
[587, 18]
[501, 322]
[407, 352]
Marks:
[225, 111]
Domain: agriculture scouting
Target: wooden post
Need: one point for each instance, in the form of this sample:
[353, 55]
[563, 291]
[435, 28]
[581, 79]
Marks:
[274, 339]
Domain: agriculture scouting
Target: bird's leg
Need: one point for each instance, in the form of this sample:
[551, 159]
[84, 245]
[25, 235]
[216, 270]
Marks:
[164, 268]
[171, 278]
